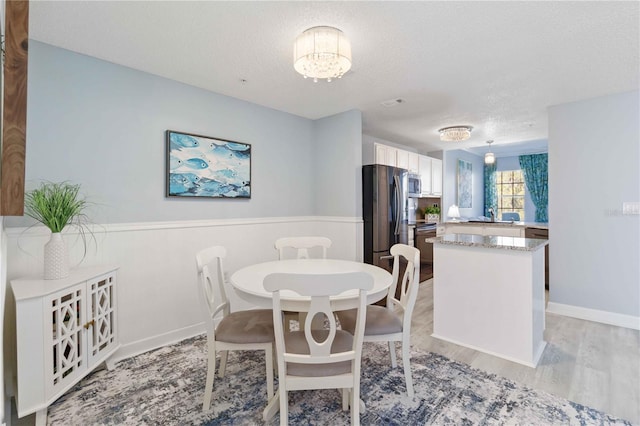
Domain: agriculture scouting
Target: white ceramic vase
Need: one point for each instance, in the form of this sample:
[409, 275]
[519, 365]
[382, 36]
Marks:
[56, 258]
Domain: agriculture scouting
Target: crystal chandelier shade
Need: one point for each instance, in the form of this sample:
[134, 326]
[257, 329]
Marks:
[322, 52]
[455, 133]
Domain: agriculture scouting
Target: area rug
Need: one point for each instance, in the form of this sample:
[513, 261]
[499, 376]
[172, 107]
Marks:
[165, 387]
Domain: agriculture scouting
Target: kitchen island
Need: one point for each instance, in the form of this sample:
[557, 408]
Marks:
[488, 294]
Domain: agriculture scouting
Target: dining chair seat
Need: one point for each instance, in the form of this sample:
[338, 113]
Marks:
[380, 320]
[296, 342]
[240, 330]
[393, 322]
[251, 326]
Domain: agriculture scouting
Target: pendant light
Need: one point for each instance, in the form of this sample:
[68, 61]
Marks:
[489, 157]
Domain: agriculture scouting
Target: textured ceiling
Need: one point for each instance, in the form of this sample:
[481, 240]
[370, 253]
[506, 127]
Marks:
[496, 66]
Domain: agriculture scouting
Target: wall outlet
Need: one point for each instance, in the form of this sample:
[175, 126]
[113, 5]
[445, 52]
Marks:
[629, 208]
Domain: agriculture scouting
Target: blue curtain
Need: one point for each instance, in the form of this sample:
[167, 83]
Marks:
[535, 172]
[490, 189]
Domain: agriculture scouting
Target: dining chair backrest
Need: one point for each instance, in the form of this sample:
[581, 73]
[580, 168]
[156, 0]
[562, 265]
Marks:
[515, 216]
[212, 291]
[302, 246]
[319, 288]
[408, 283]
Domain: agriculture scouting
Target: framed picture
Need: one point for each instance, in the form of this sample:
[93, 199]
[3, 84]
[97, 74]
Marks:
[202, 166]
[464, 184]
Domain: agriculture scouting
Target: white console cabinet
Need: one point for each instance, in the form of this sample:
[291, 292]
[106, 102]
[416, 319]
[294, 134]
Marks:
[64, 329]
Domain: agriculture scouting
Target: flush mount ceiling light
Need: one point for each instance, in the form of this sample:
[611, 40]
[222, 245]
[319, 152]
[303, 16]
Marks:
[455, 133]
[322, 52]
[489, 157]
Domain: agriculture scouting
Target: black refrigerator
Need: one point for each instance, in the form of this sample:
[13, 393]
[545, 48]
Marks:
[384, 211]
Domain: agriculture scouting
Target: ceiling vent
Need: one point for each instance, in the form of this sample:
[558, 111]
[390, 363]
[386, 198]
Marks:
[391, 103]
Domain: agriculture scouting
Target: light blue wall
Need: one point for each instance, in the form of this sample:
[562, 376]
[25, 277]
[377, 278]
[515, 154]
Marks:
[338, 166]
[450, 185]
[594, 167]
[103, 126]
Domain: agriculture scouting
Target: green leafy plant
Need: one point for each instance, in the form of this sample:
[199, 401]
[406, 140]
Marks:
[431, 210]
[56, 205]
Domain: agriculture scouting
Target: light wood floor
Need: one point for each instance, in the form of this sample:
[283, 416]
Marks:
[590, 363]
[594, 364]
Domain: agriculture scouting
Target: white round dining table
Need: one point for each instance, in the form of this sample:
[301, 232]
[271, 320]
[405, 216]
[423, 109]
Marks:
[248, 281]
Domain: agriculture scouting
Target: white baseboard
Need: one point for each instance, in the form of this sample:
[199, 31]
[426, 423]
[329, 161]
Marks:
[612, 318]
[155, 342]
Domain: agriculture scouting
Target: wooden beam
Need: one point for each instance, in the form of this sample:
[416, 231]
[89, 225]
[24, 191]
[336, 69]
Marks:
[14, 120]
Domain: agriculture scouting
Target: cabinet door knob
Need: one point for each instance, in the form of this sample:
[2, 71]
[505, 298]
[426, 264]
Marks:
[89, 324]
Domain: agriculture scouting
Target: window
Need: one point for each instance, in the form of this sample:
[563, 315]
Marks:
[510, 188]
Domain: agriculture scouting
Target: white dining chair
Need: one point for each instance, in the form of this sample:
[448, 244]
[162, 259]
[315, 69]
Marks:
[241, 330]
[302, 245]
[392, 323]
[514, 216]
[319, 358]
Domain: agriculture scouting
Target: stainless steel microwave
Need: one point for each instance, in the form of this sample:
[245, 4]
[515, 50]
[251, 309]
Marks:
[413, 185]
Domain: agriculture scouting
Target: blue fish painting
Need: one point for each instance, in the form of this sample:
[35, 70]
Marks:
[179, 141]
[196, 163]
[200, 166]
[237, 146]
[174, 163]
[179, 184]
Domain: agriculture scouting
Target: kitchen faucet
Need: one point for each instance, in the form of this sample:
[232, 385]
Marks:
[493, 215]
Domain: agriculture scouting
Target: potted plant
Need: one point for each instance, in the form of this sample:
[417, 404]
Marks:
[57, 205]
[432, 213]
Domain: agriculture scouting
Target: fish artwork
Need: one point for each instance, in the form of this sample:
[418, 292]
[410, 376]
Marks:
[196, 163]
[181, 184]
[179, 141]
[237, 146]
[199, 166]
[175, 163]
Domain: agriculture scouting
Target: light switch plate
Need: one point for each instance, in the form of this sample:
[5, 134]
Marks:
[629, 208]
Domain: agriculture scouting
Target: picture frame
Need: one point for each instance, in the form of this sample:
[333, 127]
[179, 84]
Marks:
[465, 184]
[200, 166]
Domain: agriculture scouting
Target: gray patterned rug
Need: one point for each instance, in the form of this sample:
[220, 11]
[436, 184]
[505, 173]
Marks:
[165, 387]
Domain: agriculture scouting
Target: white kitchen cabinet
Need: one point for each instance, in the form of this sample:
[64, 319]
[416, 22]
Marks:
[425, 174]
[431, 176]
[414, 162]
[436, 176]
[64, 329]
[386, 155]
[402, 159]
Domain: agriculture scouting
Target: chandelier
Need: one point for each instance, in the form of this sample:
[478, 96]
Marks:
[455, 133]
[322, 52]
[489, 157]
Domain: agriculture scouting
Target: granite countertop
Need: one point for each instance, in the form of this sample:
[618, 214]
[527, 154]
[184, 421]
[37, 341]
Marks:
[490, 241]
[541, 225]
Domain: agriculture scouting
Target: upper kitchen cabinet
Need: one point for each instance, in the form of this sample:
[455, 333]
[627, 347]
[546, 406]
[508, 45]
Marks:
[395, 157]
[430, 170]
[436, 176]
[414, 163]
[402, 159]
[386, 155]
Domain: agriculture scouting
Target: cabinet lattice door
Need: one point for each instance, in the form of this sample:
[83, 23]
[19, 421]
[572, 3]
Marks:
[67, 316]
[102, 329]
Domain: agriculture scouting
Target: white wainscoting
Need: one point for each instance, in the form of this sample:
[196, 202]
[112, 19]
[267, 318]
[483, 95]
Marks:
[157, 283]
